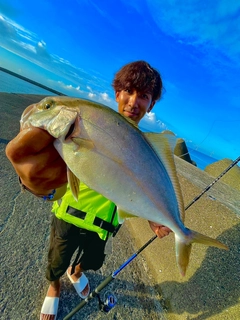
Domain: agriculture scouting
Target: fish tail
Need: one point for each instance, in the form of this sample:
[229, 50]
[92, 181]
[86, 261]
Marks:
[183, 248]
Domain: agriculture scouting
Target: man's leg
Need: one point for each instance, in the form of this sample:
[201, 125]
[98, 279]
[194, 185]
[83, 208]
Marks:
[54, 289]
[91, 259]
[93, 252]
[64, 240]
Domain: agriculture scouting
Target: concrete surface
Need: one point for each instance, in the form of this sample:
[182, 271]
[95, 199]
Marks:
[210, 289]
[150, 287]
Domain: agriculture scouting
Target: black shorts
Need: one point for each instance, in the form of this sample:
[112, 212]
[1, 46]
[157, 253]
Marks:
[64, 240]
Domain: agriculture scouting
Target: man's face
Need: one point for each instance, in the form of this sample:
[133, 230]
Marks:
[134, 104]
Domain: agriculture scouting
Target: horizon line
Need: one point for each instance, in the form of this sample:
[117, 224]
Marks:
[31, 81]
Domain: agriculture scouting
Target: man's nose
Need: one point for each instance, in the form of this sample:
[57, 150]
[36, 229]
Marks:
[133, 100]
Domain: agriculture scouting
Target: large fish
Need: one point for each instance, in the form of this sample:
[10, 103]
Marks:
[113, 157]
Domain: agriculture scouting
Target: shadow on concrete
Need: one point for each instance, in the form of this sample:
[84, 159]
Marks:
[134, 301]
[215, 285]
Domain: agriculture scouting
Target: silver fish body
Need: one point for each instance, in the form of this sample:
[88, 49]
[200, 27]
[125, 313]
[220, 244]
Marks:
[112, 156]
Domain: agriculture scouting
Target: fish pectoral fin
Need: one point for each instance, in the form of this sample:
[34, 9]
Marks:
[183, 249]
[122, 215]
[74, 183]
[83, 143]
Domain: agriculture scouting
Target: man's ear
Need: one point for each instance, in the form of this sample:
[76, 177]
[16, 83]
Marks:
[151, 106]
[117, 95]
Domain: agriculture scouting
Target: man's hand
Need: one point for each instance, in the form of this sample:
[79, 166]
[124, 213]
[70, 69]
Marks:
[36, 161]
[160, 230]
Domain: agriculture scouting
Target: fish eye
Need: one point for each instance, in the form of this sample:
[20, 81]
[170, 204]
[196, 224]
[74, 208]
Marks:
[47, 106]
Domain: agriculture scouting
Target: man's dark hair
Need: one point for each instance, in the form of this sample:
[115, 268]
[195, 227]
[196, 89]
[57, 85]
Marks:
[140, 76]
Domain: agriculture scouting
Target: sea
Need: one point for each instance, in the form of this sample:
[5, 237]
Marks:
[13, 83]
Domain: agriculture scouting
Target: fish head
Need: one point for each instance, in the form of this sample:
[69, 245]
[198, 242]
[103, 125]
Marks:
[57, 115]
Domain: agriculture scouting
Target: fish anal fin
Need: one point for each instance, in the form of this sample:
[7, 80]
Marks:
[74, 183]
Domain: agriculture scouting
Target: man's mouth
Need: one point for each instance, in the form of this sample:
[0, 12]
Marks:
[130, 112]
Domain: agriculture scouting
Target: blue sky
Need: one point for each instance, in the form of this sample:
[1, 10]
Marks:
[77, 46]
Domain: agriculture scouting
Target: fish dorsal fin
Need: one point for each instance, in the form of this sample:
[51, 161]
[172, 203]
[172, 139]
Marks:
[156, 141]
[163, 144]
[73, 183]
[122, 215]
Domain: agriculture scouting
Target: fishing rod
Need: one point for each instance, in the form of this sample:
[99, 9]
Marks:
[111, 300]
[214, 181]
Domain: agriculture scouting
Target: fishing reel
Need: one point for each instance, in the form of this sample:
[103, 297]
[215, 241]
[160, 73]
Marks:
[109, 303]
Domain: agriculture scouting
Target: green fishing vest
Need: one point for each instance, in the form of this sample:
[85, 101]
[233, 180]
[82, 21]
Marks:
[92, 211]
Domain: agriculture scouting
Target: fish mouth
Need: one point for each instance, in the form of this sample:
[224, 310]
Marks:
[70, 131]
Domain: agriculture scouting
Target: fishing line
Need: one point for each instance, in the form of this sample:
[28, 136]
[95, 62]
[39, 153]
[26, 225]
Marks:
[212, 183]
[95, 293]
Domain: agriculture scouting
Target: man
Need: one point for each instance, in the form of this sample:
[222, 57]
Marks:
[41, 170]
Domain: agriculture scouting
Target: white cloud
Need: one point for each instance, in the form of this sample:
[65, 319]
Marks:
[13, 32]
[100, 97]
[151, 123]
[7, 30]
[41, 50]
[27, 45]
[67, 89]
[91, 95]
[151, 116]
[16, 39]
[213, 24]
[104, 96]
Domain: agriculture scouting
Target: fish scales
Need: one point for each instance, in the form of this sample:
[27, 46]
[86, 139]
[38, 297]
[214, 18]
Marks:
[121, 166]
[112, 156]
